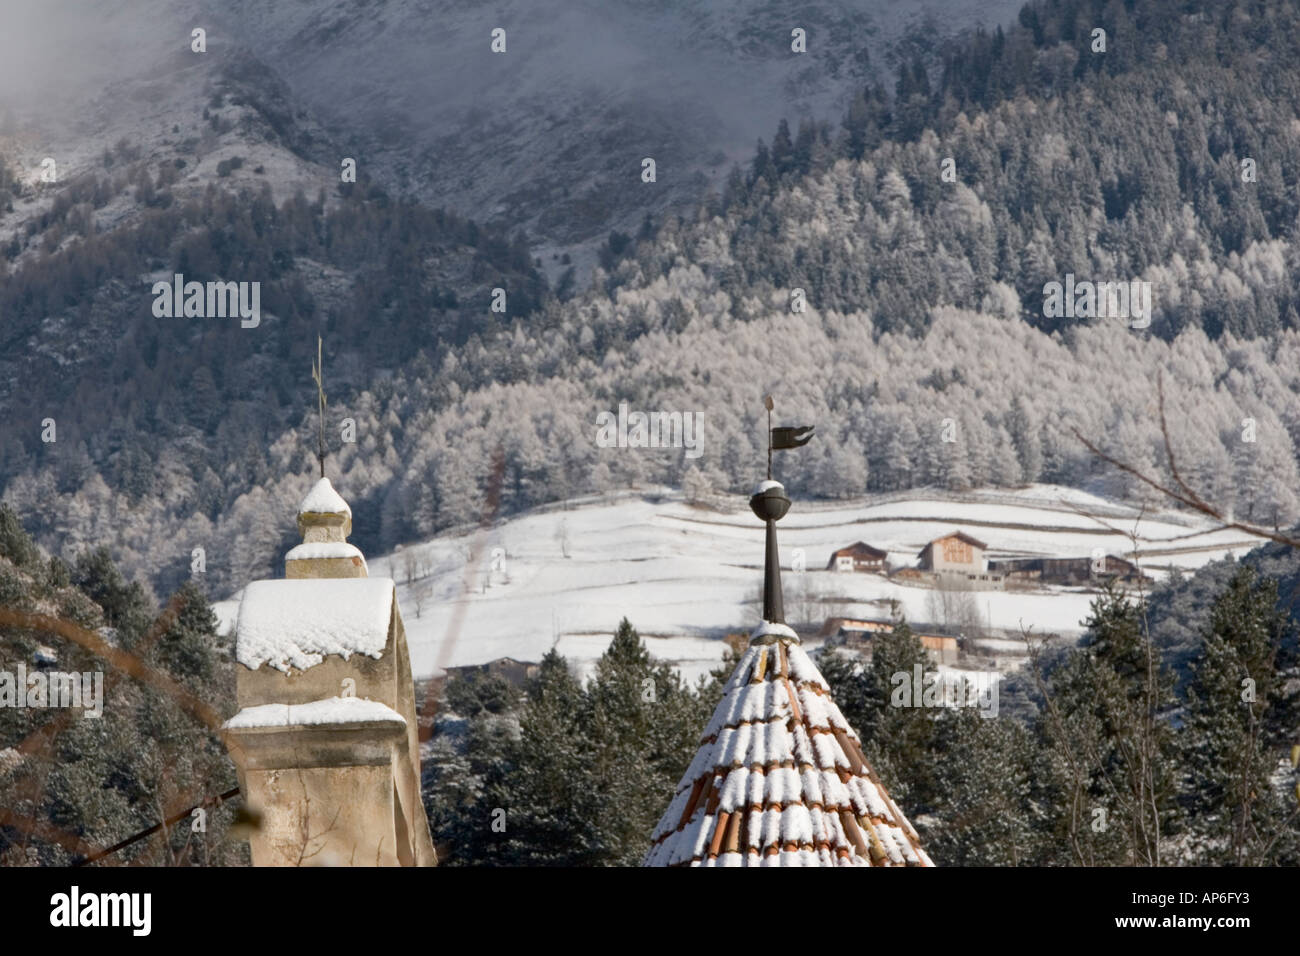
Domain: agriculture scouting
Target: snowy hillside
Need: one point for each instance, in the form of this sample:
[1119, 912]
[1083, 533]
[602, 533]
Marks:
[686, 576]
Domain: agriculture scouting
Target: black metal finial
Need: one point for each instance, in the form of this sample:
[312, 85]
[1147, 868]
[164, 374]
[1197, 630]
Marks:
[318, 378]
[770, 504]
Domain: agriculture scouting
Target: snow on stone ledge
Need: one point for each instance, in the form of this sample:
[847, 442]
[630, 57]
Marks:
[323, 499]
[763, 486]
[294, 623]
[332, 710]
[323, 549]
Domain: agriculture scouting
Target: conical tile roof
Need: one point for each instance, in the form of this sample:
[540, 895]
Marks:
[779, 778]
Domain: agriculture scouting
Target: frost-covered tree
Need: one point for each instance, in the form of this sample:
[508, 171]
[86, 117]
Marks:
[1025, 429]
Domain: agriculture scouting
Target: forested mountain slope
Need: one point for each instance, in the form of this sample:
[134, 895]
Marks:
[924, 316]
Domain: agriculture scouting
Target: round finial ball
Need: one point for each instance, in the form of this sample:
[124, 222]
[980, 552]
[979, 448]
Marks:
[768, 502]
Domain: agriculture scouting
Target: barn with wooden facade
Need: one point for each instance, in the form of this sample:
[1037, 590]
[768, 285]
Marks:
[941, 648]
[843, 625]
[958, 552]
[513, 672]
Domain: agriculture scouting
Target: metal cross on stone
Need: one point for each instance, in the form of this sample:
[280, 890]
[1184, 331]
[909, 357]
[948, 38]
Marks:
[317, 377]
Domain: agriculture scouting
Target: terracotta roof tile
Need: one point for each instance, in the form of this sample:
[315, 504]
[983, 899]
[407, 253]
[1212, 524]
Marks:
[780, 780]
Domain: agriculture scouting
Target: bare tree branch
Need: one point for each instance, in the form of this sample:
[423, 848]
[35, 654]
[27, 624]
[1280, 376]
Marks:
[1183, 493]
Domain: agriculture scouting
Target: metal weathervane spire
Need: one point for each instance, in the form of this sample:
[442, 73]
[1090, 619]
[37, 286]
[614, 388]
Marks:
[770, 504]
[317, 377]
[782, 439]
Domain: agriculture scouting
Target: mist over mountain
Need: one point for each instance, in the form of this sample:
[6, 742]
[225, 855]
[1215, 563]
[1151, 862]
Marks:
[550, 135]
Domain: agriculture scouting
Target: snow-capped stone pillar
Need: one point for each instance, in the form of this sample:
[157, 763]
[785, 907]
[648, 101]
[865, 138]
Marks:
[324, 521]
[326, 741]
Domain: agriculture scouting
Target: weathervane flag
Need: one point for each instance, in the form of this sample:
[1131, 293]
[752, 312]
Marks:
[782, 439]
[792, 437]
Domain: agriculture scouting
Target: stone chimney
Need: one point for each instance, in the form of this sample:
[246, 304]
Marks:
[326, 742]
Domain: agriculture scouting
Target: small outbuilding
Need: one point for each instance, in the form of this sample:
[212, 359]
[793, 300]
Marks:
[513, 672]
[858, 556]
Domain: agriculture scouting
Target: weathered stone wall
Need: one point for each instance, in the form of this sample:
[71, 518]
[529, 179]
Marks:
[340, 794]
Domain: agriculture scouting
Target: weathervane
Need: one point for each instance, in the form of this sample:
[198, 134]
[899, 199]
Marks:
[782, 439]
[769, 504]
[317, 377]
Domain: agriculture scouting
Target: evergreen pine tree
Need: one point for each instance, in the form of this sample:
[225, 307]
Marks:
[643, 730]
[544, 791]
[984, 815]
[1025, 430]
[1240, 721]
[897, 735]
[476, 728]
[1110, 784]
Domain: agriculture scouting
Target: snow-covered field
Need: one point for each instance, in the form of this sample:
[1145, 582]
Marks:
[686, 576]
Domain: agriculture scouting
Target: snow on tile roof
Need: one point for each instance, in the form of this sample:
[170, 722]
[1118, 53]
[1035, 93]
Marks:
[780, 780]
[323, 499]
[766, 629]
[294, 623]
[332, 710]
